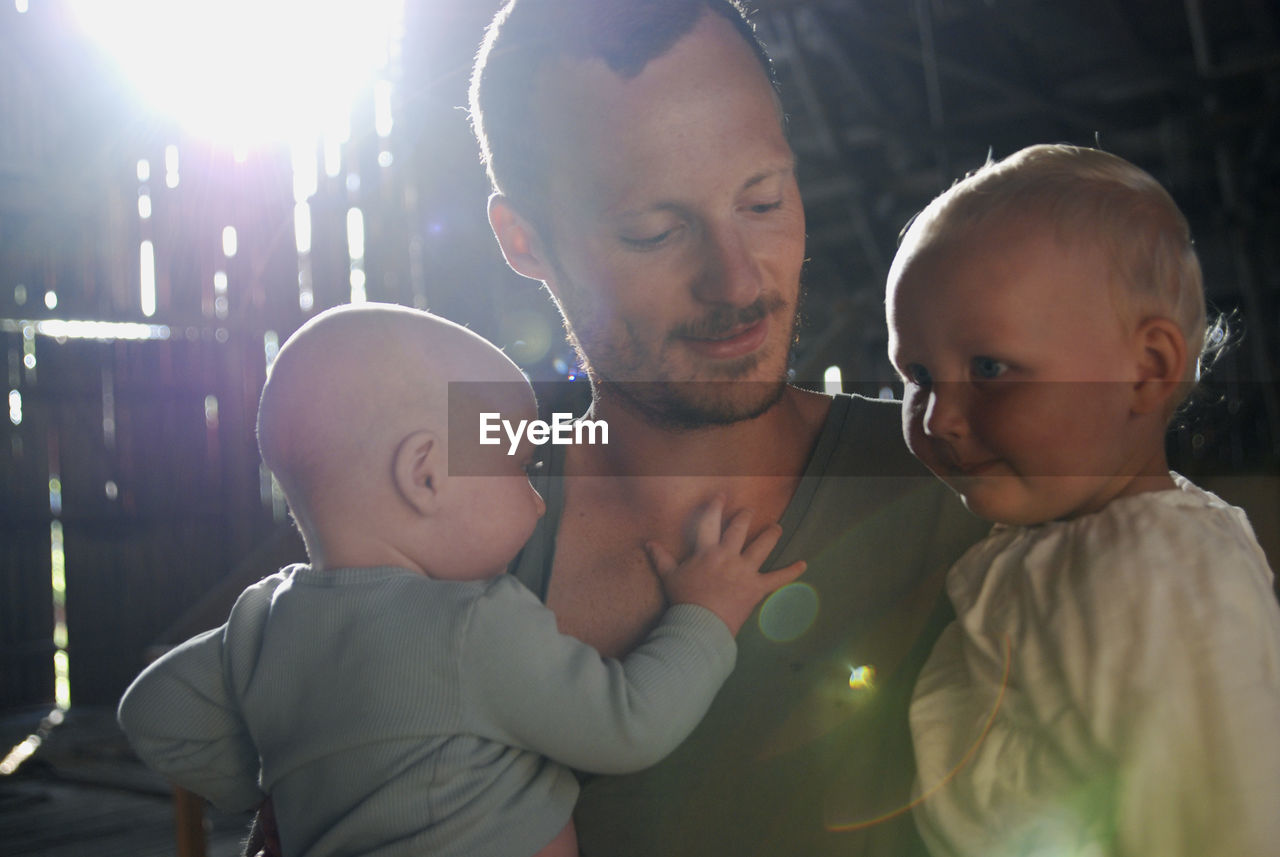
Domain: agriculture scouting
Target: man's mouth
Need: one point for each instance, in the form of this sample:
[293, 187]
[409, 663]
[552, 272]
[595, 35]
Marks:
[732, 333]
[736, 342]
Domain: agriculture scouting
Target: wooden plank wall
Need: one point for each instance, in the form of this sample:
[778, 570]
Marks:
[151, 441]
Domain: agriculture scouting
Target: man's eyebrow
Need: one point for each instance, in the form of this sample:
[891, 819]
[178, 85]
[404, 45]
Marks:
[782, 169]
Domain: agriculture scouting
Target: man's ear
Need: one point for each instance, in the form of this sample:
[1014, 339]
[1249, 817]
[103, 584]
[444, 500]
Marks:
[520, 241]
[419, 471]
[1162, 360]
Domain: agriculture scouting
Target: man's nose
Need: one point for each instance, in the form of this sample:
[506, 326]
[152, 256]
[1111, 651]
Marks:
[945, 413]
[732, 273]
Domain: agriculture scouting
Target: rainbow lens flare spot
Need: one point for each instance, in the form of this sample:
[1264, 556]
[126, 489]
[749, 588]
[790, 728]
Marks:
[862, 678]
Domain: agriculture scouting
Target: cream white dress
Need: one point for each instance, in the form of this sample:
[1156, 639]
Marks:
[1111, 687]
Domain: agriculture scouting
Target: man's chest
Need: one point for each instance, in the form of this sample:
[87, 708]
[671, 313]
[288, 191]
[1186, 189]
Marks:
[603, 590]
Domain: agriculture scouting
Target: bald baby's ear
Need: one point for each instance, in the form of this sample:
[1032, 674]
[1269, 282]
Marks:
[520, 241]
[1162, 362]
[419, 470]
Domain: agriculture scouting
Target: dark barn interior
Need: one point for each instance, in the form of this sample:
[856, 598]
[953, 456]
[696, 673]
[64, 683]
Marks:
[147, 274]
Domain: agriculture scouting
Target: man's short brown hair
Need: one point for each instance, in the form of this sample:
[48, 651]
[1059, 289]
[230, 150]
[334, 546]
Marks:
[526, 35]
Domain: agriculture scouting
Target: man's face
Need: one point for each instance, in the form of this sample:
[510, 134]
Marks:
[674, 227]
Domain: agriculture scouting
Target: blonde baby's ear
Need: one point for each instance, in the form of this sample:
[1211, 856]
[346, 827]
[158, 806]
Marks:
[1162, 362]
[419, 471]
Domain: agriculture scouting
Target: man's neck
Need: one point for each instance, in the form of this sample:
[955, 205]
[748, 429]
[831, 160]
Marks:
[775, 444]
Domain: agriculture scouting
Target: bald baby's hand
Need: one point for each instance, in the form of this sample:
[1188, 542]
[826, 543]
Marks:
[723, 571]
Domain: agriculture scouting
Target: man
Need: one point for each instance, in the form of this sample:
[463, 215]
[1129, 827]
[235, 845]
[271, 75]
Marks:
[642, 174]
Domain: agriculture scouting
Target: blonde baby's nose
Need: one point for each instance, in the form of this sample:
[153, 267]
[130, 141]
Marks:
[944, 414]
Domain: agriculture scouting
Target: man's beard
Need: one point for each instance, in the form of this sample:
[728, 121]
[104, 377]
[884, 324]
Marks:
[690, 405]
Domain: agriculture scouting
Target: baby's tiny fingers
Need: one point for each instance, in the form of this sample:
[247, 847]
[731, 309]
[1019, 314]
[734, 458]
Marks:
[707, 533]
[762, 545]
[735, 535]
[773, 580]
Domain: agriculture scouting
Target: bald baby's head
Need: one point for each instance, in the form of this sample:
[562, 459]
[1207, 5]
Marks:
[347, 389]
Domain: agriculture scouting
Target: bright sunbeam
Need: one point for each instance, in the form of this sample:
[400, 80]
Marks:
[249, 71]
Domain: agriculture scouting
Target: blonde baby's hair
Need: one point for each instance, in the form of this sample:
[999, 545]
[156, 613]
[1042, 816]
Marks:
[1097, 197]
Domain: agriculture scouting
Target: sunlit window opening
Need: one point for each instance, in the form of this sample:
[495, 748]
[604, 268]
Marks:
[55, 494]
[171, 166]
[302, 227]
[229, 241]
[247, 72]
[58, 569]
[144, 170]
[220, 290]
[58, 582]
[29, 350]
[306, 295]
[144, 206]
[832, 382]
[25, 750]
[305, 183]
[21, 6]
[355, 234]
[51, 299]
[147, 278]
[355, 249]
[358, 293]
[15, 407]
[105, 331]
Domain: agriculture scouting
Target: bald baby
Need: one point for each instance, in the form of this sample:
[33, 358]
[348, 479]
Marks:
[401, 694]
[354, 424]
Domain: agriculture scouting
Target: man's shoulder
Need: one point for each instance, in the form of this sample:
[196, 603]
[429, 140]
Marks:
[866, 496]
[865, 439]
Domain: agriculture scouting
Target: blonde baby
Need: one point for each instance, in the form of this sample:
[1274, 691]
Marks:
[1111, 684]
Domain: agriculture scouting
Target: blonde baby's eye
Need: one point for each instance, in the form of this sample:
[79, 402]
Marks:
[986, 368]
[918, 375]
